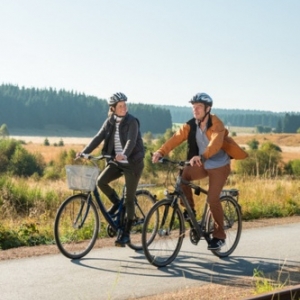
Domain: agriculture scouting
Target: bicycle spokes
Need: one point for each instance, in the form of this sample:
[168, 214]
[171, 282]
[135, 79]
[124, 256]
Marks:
[168, 224]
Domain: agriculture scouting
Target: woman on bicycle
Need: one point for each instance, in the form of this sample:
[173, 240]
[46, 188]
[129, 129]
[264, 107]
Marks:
[122, 140]
[209, 152]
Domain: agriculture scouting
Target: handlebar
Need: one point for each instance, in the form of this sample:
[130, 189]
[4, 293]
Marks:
[92, 157]
[180, 163]
[165, 160]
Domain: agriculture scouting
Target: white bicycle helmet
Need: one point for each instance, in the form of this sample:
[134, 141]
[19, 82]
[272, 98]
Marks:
[115, 98]
[202, 98]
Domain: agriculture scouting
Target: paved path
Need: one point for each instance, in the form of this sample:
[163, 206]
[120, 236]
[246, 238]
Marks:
[117, 273]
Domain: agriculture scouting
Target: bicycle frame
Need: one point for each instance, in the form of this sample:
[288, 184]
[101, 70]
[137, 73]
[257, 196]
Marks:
[178, 192]
[113, 223]
[167, 221]
[78, 217]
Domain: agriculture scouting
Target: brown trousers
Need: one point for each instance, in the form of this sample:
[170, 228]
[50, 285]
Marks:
[216, 180]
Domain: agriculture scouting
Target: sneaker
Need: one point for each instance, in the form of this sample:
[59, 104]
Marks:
[113, 209]
[186, 215]
[216, 244]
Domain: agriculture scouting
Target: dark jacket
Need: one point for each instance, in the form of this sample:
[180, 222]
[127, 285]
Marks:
[130, 137]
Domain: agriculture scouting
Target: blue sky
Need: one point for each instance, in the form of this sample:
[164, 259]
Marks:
[244, 54]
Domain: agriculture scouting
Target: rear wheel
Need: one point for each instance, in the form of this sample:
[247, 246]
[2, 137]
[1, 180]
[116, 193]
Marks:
[76, 226]
[232, 225]
[143, 203]
[163, 233]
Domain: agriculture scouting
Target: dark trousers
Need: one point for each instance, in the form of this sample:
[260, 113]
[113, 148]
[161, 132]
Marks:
[216, 180]
[132, 175]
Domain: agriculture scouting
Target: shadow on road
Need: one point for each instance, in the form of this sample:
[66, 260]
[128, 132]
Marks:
[196, 266]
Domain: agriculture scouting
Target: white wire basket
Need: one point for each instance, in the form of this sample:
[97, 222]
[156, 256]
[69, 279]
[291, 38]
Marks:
[81, 177]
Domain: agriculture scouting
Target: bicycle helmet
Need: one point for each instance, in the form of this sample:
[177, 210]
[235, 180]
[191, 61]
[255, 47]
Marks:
[202, 98]
[115, 98]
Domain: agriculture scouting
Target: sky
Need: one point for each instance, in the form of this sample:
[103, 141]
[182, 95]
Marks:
[244, 53]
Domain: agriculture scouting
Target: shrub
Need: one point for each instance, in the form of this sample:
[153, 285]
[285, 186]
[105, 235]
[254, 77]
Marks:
[46, 142]
[264, 161]
[16, 160]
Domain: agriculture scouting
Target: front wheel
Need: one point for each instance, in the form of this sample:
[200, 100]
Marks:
[76, 226]
[163, 233]
[232, 225]
[144, 200]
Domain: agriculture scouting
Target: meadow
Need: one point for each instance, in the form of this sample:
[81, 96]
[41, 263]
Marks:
[30, 222]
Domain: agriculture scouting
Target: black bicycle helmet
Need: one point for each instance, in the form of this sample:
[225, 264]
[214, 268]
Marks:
[115, 98]
[202, 98]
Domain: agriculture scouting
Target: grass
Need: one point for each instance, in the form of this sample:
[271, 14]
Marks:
[39, 199]
[275, 281]
[28, 207]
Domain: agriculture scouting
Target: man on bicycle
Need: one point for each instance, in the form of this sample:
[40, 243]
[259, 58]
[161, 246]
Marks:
[122, 139]
[209, 152]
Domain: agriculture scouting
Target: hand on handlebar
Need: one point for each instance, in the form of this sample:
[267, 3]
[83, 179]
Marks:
[120, 157]
[78, 155]
[195, 161]
[156, 156]
[81, 155]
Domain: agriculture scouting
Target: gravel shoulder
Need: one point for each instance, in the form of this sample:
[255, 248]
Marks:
[241, 289]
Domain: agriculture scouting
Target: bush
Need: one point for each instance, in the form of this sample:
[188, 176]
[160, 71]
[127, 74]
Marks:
[16, 160]
[24, 163]
[9, 239]
[263, 161]
[46, 142]
[293, 167]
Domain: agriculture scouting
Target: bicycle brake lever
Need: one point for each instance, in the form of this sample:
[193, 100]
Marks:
[86, 156]
[163, 160]
[197, 191]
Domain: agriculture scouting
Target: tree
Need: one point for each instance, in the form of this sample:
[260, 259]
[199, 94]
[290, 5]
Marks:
[4, 133]
[293, 167]
[16, 160]
[148, 137]
[253, 144]
[263, 161]
[46, 142]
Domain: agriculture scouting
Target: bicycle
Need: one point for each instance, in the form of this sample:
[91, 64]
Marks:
[77, 222]
[166, 224]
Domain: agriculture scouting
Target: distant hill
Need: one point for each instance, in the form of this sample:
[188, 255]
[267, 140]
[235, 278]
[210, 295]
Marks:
[230, 117]
[51, 112]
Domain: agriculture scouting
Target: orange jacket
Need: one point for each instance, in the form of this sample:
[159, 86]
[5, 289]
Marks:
[217, 135]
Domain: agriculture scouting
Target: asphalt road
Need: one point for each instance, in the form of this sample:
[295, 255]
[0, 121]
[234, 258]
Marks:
[120, 273]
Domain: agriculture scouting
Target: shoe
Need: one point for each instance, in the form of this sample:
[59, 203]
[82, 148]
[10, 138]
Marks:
[216, 244]
[186, 215]
[113, 209]
[124, 238]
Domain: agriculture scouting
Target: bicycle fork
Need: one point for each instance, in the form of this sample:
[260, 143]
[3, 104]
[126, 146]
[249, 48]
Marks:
[79, 217]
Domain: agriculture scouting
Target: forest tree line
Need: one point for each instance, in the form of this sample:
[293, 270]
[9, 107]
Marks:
[30, 108]
[287, 122]
[34, 108]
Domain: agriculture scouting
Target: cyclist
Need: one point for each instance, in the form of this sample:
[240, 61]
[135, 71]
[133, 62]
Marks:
[122, 139]
[209, 152]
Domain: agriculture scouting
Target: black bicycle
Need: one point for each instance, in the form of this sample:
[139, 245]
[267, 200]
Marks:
[77, 222]
[164, 225]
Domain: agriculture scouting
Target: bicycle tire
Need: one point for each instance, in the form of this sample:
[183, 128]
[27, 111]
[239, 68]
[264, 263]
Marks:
[165, 224]
[75, 240]
[144, 200]
[232, 225]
